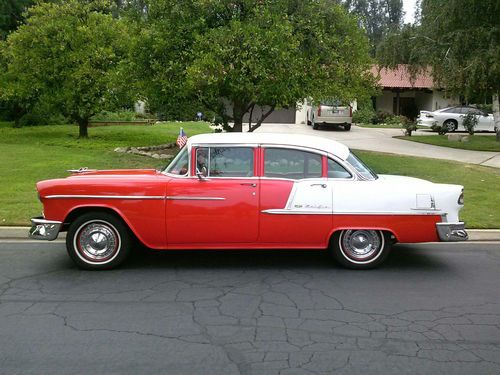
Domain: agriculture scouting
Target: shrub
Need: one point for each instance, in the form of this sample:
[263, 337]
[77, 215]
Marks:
[470, 122]
[440, 129]
[397, 120]
[381, 117]
[364, 115]
[409, 127]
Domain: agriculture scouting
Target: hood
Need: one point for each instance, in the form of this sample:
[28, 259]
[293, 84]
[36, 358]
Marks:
[113, 172]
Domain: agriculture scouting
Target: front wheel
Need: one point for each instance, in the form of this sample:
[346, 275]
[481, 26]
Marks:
[450, 125]
[98, 241]
[360, 248]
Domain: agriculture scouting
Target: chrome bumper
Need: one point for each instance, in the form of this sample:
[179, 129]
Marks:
[42, 229]
[451, 232]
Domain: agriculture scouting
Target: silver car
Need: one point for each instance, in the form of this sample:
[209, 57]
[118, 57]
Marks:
[330, 112]
[452, 118]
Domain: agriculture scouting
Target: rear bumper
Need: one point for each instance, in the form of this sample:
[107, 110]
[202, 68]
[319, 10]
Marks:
[452, 232]
[337, 120]
[42, 229]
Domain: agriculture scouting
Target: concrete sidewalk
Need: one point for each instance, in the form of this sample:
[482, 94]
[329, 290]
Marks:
[381, 140]
[19, 233]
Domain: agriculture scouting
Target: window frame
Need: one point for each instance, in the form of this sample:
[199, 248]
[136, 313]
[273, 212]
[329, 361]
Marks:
[264, 147]
[195, 148]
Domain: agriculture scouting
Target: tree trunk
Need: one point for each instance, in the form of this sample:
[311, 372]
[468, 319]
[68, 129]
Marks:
[496, 114]
[239, 110]
[83, 125]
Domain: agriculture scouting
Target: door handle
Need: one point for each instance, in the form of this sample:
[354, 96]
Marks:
[322, 185]
[248, 184]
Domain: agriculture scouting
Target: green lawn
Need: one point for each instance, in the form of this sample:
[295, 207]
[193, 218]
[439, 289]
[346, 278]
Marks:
[475, 143]
[482, 196]
[32, 154]
[385, 126]
[35, 153]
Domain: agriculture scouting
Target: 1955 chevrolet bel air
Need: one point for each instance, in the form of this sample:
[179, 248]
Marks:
[248, 191]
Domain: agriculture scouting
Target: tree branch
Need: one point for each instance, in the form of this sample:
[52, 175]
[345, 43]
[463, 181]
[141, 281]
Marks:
[261, 120]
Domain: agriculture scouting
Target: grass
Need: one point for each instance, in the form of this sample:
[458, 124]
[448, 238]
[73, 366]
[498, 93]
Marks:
[385, 126]
[482, 196]
[32, 154]
[475, 143]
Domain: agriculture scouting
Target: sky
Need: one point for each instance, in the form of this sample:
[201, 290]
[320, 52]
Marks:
[409, 8]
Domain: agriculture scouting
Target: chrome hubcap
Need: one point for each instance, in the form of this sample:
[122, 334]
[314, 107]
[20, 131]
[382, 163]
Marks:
[361, 244]
[97, 241]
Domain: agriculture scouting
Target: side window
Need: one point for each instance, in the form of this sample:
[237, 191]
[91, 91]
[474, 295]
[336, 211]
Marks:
[225, 161]
[293, 164]
[335, 170]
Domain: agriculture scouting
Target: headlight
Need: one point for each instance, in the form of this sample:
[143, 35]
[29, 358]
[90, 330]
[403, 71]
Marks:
[461, 198]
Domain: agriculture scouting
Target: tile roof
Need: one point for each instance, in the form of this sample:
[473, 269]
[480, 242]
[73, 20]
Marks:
[400, 78]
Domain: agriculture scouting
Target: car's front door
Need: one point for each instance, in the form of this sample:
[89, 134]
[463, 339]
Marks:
[219, 206]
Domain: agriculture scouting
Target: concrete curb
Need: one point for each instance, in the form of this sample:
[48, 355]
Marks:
[22, 233]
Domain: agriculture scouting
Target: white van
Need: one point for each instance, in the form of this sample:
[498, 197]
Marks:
[329, 112]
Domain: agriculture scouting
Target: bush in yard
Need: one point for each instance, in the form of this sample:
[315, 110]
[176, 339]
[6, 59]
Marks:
[364, 115]
[440, 129]
[470, 121]
[381, 117]
[409, 127]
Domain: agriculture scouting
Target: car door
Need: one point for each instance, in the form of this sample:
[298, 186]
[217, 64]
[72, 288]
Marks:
[295, 198]
[220, 205]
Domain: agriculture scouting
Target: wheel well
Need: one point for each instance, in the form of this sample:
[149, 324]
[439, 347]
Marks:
[391, 234]
[452, 120]
[83, 210]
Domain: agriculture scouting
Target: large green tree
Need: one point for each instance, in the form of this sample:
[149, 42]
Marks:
[66, 56]
[376, 17]
[11, 15]
[235, 55]
[460, 41]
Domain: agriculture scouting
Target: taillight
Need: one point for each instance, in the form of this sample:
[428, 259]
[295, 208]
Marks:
[461, 198]
[429, 115]
[350, 111]
[319, 110]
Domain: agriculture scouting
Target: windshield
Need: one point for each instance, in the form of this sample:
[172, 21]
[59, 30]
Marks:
[361, 167]
[180, 165]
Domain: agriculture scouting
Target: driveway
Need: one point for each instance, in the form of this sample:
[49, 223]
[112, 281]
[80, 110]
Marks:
[381, 140]
[431, 309]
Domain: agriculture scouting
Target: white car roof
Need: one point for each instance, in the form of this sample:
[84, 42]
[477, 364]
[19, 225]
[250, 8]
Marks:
[322, 144]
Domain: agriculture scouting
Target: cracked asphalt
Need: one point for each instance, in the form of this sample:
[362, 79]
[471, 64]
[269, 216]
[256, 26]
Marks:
[431, 309]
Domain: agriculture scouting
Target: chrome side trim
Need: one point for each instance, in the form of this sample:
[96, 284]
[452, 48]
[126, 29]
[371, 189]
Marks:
[42, 229]
[294, 212]
[68, 196]
[188, 198]
[282, 211]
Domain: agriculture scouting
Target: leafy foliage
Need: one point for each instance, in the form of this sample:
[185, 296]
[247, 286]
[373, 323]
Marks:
[364, 115]
[67, 56]
[470, 121]
[234, 56]
[11, 15]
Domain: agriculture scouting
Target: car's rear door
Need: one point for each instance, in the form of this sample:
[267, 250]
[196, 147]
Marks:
[296, 198]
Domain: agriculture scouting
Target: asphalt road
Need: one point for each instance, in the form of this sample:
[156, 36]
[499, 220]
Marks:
[432, 309]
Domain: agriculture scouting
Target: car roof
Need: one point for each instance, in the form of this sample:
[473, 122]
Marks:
[301, 140]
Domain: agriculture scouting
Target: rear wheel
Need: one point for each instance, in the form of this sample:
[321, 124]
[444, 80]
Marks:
[450, 125]
[360, 248]
[347, 127]
[98, 241]
[314, 124]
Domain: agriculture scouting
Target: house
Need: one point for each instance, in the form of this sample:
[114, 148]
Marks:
[402, 95]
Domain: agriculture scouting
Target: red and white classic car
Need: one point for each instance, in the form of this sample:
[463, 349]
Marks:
[248, 191]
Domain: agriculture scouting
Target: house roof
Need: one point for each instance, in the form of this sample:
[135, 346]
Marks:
[401, 78]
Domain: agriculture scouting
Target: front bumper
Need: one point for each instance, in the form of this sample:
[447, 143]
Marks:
[42, 229]
[452, 232]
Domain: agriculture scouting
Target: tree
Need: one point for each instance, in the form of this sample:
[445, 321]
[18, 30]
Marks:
[234, 55]
[11, 15]
[67, 56]
[377, 17]
[460, 41]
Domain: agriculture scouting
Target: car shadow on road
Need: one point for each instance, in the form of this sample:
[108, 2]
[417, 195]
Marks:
[402, 257]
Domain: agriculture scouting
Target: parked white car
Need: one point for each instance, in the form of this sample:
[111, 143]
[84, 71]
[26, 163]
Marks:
[329, 112]
[452, 118]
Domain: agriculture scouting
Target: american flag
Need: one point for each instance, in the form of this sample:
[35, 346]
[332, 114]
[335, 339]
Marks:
[182, 139]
